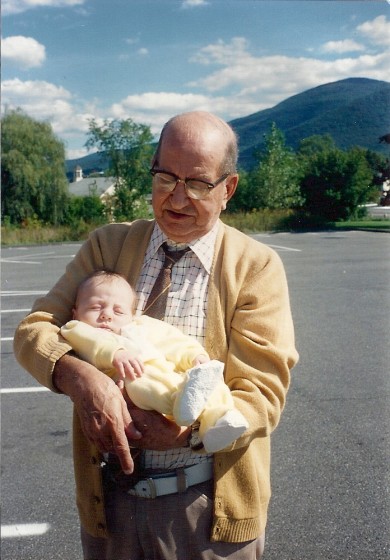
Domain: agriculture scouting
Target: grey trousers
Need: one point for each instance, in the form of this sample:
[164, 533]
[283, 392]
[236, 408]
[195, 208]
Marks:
[173, 527]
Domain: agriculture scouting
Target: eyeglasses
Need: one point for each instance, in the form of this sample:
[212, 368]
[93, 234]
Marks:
[195, 188]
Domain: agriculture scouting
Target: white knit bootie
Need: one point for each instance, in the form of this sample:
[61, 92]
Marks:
[226, 430]
[199, 383]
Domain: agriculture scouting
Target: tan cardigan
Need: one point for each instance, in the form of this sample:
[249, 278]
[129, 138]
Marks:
[249, 328]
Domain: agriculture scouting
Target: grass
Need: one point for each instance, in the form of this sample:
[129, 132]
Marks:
[379, 224]
[249, 222]
[42, 235]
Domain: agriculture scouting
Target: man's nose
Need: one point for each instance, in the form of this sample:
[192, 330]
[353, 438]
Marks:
[179, 197]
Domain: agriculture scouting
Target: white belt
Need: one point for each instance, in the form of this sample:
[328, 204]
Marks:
[178, 481]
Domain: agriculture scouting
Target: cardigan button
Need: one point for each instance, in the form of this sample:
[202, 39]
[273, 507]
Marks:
[96, 499]
[94, 460]
[101, 526]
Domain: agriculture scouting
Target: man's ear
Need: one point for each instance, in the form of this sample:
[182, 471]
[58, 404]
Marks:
[230, 188]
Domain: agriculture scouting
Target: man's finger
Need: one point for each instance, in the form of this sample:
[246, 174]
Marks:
[122, 450]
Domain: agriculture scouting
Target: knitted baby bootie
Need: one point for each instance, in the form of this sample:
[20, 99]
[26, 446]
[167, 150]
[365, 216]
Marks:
[200, 382]
[226, 430]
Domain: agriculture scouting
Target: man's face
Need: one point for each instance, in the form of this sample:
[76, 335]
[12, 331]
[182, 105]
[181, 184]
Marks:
[198, 156]
[105, 304]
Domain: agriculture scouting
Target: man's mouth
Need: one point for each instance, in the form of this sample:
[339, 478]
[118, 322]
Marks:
[178, 215]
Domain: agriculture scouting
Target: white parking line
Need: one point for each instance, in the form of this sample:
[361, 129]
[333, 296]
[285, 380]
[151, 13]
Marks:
[29, 255]
[14, 293]
[19, 262]
[24, 530]
[23, 390]
[15, 310]
[284, 248]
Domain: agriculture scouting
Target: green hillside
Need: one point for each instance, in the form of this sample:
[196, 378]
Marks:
[355, 112]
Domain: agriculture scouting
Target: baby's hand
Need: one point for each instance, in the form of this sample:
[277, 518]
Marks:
[200, 359]
[127, 365]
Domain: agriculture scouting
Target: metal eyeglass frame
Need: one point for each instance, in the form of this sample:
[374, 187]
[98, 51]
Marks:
[209, 186]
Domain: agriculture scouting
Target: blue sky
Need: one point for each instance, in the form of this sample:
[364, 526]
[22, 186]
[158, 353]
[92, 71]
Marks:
[66, 61]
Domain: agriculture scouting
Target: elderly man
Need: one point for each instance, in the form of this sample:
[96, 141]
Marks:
[229, 292]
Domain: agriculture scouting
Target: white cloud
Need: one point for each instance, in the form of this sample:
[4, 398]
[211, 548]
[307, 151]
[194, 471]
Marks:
[132, 40]
[10, 7]
[347, 45]
[25, 52]
[143, 52]
[236, 83]
[223, 53]
[273, 78]
[377, 31]
[44, 101]
[155, 108]
[193, 3]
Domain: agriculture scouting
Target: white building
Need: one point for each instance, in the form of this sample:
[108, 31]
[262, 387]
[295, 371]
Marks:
[100, 186]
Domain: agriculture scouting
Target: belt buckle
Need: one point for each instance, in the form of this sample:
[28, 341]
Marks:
[144, 488]
[152, 488]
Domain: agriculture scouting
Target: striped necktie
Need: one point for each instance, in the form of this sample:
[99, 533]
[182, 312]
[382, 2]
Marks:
[157, 301]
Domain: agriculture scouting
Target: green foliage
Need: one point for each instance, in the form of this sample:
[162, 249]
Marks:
[315, 187]
[89, 209]
[258, 220]
[320, 182]
[275, 181]
[34, 184]
[244, 199]
[128, 147]
[334, 183]
[355, 112]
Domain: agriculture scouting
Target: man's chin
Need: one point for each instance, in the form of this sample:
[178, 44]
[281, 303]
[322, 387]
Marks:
[178, 227]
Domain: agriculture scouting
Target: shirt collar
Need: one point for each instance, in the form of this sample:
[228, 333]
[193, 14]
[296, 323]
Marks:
[203, 247]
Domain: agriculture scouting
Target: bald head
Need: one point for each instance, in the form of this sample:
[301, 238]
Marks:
[192, 127]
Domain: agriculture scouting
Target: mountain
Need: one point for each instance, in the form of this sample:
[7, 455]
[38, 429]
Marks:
[92, 163]
[355, 112]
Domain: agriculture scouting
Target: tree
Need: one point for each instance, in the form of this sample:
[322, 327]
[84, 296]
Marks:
[34, 183]
[90, 209]
[244, 199]
[276, 179]
[314, 144]
[128, 146]
[335, 183]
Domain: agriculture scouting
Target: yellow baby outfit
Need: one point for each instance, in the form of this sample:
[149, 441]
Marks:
[170, 383]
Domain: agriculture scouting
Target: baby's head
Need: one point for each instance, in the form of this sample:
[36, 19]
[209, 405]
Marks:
[105, 300]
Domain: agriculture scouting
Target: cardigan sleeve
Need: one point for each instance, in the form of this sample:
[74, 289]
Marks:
[38, 343]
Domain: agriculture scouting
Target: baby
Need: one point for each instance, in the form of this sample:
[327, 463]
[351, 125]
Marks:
[161, 368]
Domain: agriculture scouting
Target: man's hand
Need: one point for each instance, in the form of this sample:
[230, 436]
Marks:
[158, 432]
[102, 410]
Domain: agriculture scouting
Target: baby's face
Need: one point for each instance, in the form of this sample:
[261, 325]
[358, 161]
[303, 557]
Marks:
[105, 303]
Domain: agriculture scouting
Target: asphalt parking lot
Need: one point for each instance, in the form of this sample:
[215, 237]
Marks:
[330, 462]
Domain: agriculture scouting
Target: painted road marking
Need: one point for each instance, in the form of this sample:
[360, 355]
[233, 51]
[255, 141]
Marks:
[23, 390]
[14, 293]
[15, 310]
[284, 248]
[24, 530]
